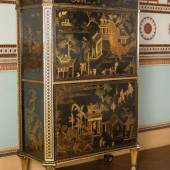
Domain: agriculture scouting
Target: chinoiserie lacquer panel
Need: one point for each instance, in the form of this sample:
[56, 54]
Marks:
[79, 77]
[32, 48]
[33, 120]
[94, 117]
[94, 44]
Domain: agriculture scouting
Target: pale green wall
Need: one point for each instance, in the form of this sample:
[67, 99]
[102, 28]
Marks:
[8, 81]
[154, 94]
[8, 109]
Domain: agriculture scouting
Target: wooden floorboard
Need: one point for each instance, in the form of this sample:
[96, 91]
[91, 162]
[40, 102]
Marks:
[155, 159]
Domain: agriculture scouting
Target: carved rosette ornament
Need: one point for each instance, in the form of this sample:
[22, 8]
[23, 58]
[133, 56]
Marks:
[147, 28]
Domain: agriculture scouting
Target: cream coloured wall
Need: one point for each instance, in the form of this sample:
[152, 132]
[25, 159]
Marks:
[163, 1]
[162, 22]
[7, 24]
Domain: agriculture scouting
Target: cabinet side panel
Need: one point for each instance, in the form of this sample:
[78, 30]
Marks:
[93, 118]
[104, 3]
[33, 120]
[31, 47]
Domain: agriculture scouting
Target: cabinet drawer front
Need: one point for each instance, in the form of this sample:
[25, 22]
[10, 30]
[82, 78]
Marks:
[94, 117]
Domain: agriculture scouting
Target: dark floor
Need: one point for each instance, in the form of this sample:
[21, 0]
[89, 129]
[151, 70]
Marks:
[155, 159]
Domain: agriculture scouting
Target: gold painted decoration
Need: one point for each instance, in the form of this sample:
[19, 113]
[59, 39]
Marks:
[94, 117]
[32, 48]
[94, 44]
[78, 81]
[33, 121]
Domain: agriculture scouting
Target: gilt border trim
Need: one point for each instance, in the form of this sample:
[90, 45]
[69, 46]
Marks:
[48, 80]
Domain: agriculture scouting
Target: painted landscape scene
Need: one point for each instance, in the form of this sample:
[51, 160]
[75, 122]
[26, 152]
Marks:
[33, 120]
[92, 118]
[92, 44]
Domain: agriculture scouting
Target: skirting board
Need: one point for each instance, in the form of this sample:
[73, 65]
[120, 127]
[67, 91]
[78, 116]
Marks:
[8, 151]
[152, 127]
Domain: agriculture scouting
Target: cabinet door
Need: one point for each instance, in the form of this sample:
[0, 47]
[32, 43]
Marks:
[94, 117]
[91, 44]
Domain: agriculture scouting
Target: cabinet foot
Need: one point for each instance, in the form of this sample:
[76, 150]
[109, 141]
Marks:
[134, 156]
[25, 163]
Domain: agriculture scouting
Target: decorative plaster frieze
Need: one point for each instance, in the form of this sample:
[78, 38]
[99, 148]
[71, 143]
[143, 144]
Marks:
[154, 8]
[147, 28]
[153, 61]
[154, 49]
[7, 60]
[149, 1]
[8, 66]
[8, 55]
[8, 50]
[7, 1]
[154, 54]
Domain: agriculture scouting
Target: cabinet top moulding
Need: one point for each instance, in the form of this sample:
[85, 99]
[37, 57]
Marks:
[104, 6]
[82, 7]
[91, 7]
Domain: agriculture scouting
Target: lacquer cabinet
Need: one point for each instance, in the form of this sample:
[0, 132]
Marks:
[77, 76]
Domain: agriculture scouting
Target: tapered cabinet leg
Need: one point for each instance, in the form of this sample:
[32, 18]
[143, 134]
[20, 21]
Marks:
[25, 163]
[134, 156]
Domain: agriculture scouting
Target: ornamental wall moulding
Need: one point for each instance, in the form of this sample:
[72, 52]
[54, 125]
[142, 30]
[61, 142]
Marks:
[154, 54]
[154, 61]
[8, 66]
[8, 50]
[163, 49]
[154, 8]
[8, 55]
[147, 28]
[7, 1]
[149, 1]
